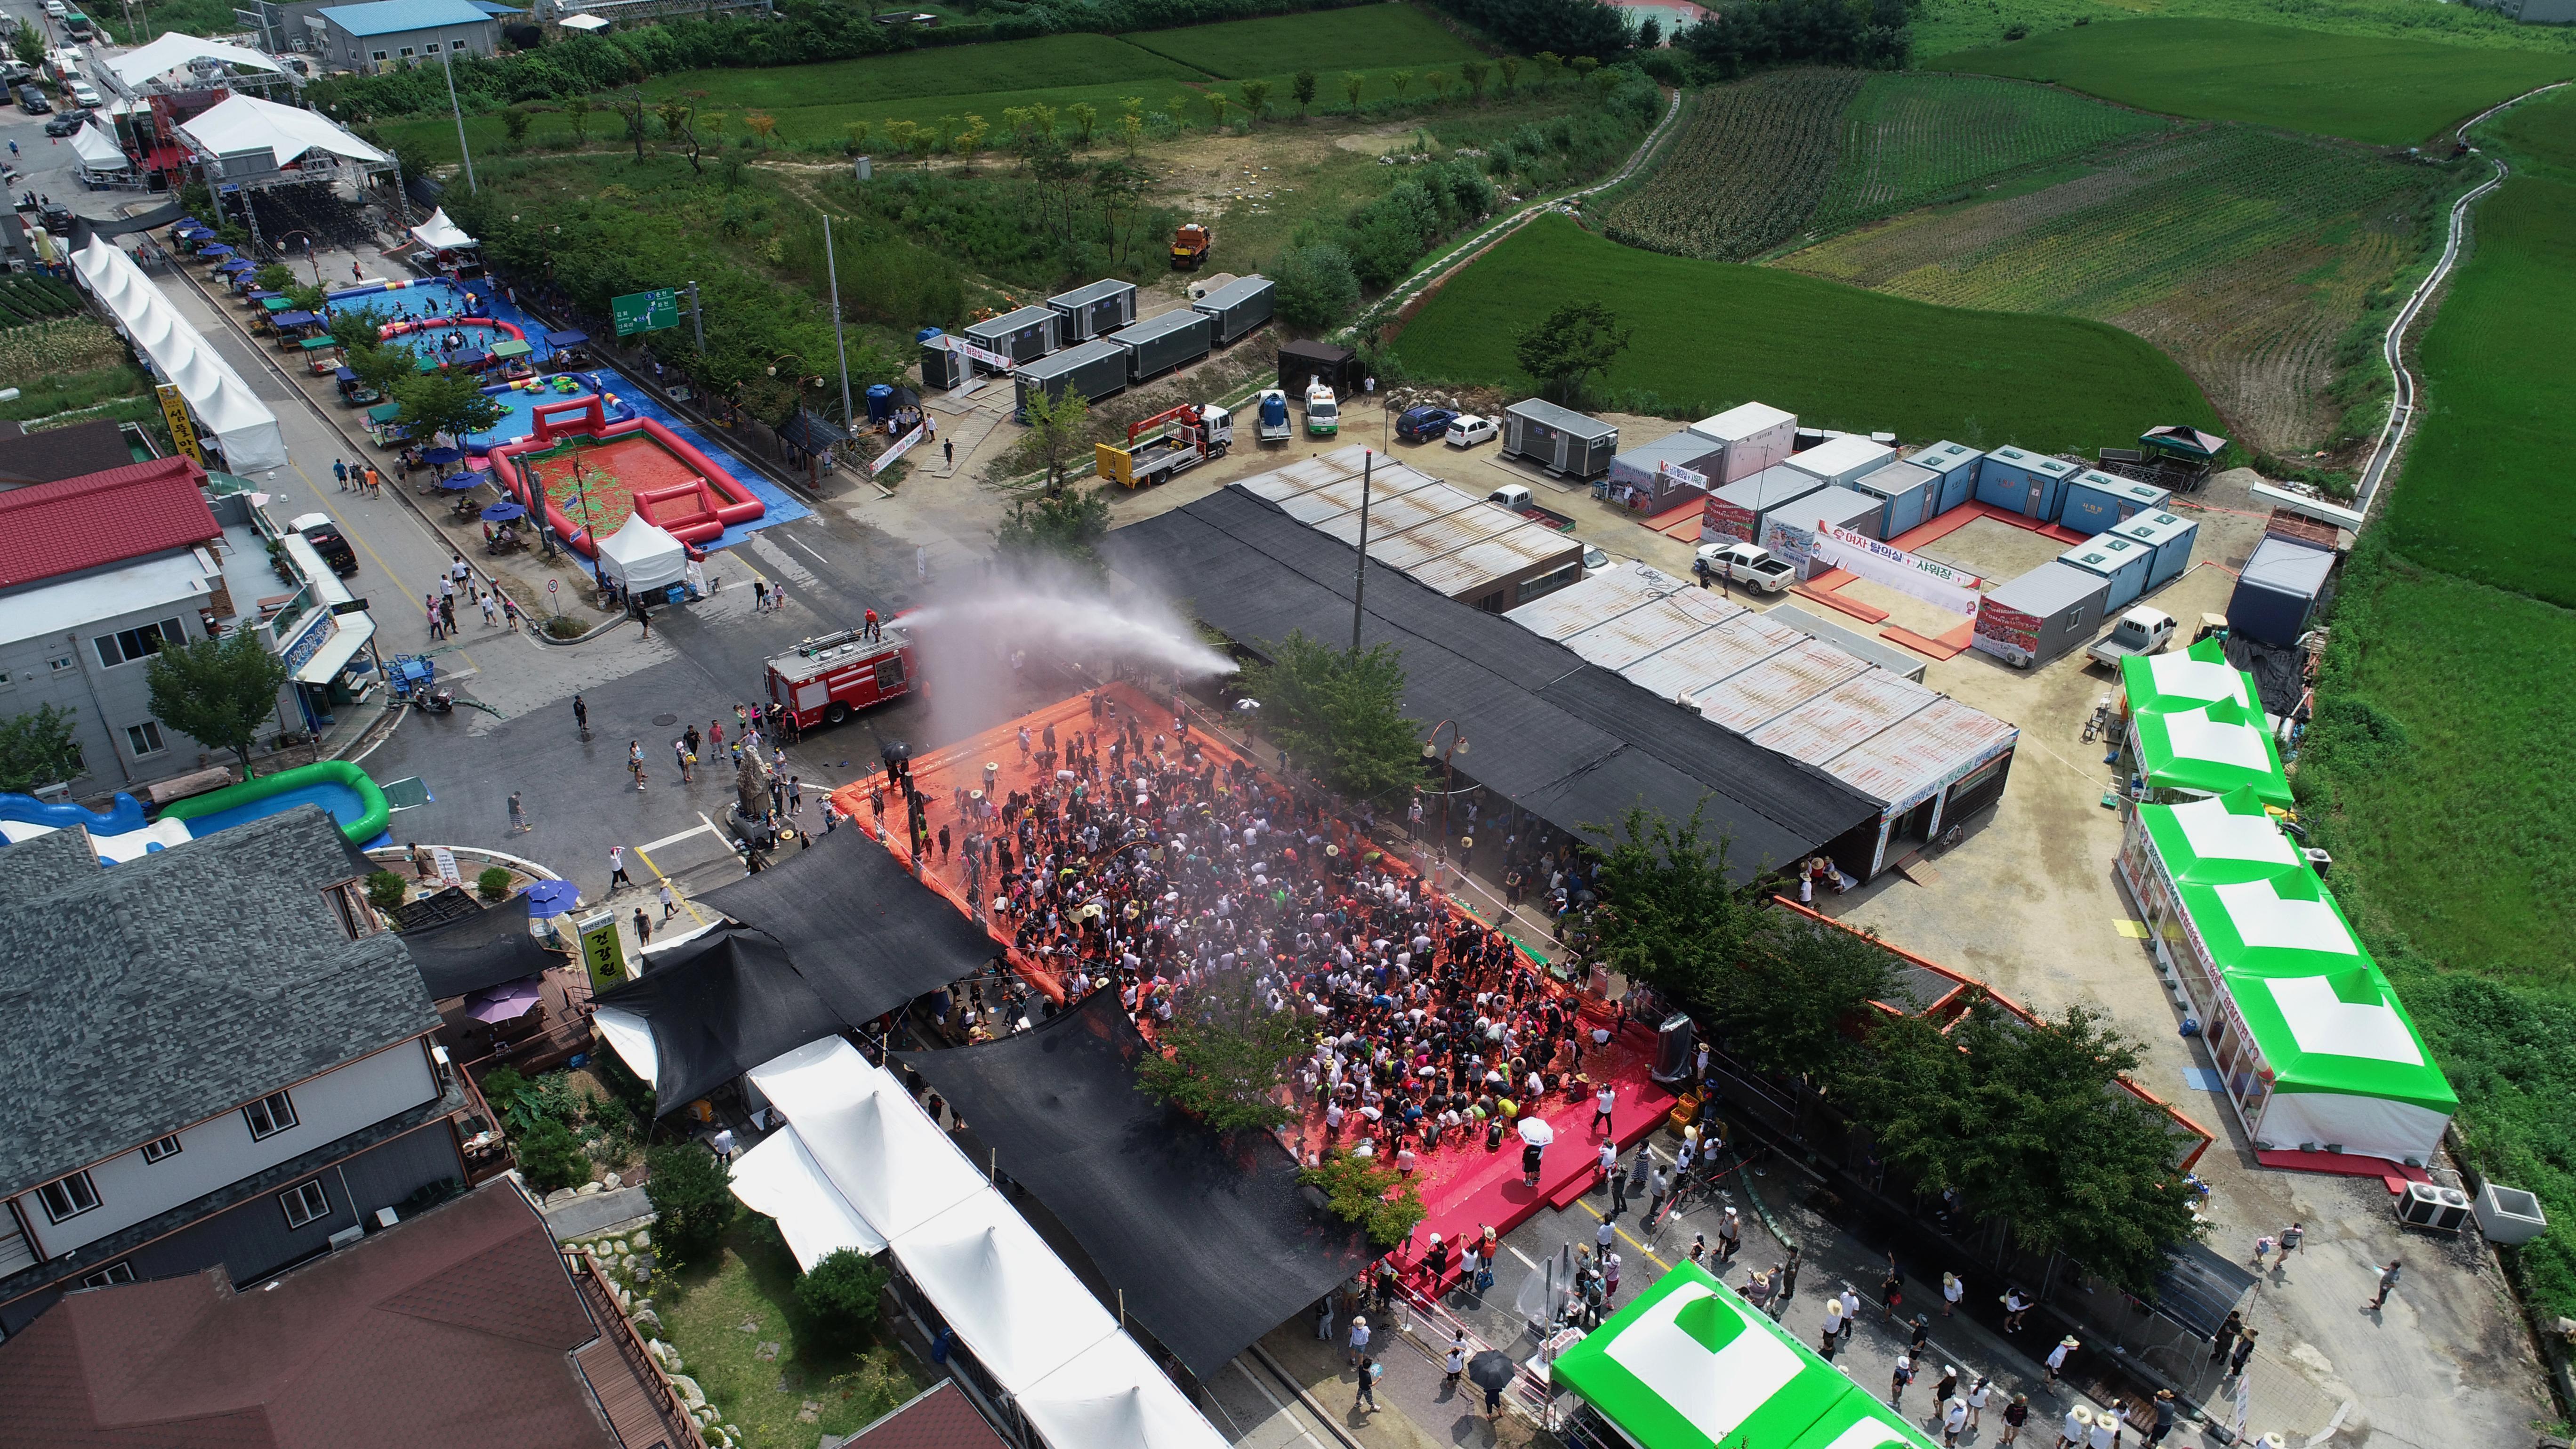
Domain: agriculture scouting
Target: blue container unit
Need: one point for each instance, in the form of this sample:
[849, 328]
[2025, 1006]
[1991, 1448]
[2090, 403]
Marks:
[1955, 465]
[2170, 534]
[2124, 561]
[2025, 483]
[2278, 591]
[1908, 491]
[2099, 502]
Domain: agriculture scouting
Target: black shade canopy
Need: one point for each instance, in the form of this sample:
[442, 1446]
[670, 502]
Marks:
[720, 1005]
[864, 933]
[1210, 1237]
[484, 949]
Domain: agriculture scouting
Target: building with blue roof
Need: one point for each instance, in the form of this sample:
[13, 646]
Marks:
[387, 33]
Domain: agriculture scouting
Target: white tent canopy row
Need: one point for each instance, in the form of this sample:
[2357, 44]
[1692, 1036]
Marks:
[174, 51]
[98, 150]
[247, 123]
[862, 1166]
[441, 234]
[223, 405]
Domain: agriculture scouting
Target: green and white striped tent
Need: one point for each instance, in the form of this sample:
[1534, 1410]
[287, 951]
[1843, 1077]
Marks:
[2221, 840]
[2185, 679]
[1689, 1365]
[2208, 750]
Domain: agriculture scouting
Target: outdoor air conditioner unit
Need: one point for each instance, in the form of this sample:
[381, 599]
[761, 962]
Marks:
[347, 1237]
[2454, 1212]
[55, 794]
[2429, 1205]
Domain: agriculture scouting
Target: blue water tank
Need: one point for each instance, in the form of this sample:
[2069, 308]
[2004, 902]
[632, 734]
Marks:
[927, 333]
[880, 401]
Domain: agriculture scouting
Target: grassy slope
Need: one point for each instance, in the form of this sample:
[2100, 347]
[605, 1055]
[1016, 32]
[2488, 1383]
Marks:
[754, 1280]
[2433, 771]
[1049, 62]
[1710, 334]
[1327, 43]
[1911, 140]
[1944, 26]
[2366, 88]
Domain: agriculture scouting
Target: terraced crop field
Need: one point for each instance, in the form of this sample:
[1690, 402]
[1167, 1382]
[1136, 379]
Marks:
[1747, 170]
[2243, 253]
[1328, 42]
[1914, 140]
[1713, 334]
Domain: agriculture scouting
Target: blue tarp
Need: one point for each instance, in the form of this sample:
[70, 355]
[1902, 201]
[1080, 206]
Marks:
[566, 338]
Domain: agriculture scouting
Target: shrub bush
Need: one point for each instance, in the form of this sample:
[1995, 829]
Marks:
[550, 1156]
[385, 890]
[843, 1294]
[493, 883]
[692, 1197]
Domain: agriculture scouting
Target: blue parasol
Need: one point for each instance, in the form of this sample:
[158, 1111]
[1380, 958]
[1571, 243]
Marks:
[550, 898]
[504, 511]
[441, 457]
[459, 482]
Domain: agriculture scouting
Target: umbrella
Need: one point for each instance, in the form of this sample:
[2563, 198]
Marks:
[1492, 1369]
[550, 898]
[503, 512]
[441, 456]
[216, 250]
[1536, 1133]
[459, 482]
[503, 1003]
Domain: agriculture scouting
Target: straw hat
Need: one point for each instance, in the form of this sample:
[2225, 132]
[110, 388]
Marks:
[2080, 1414]
[2069, 1342]
[1359, 1320]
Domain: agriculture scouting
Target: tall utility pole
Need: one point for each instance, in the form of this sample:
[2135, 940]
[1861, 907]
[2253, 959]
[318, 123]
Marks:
[471, 189]
[1359, 586]
[698, 318]
[832, 269]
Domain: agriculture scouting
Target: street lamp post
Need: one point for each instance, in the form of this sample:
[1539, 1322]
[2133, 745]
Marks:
[447, 65]
[1448, 785]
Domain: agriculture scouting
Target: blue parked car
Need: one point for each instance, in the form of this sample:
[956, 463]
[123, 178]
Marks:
[1423, 424]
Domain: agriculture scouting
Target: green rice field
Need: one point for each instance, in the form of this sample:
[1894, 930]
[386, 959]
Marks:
[1911, 140]
[2383, 90]
[1327, 42]
[1710, 334]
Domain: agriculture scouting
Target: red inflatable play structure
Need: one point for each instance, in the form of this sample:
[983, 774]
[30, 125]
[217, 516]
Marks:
[594, 474]
[392, 330]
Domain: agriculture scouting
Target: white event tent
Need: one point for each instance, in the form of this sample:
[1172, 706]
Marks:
[247, 123]
[860, 1165]
[440, 234]
[98, 152]
[642, 557]
[175, 51]
[223, 405]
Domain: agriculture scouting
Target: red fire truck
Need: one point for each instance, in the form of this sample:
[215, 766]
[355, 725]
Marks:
[826, 677]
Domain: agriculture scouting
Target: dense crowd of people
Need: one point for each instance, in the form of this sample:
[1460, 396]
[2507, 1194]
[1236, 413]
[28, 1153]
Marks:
[1141, 860]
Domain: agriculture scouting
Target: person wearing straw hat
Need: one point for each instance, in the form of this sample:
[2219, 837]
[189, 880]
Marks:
[1359, 1339]
[2057, 1356]
[2106, 1429]
[2077, 1429]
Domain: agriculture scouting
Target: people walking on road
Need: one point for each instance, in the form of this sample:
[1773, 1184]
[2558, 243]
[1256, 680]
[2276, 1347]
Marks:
[1663, 1190]
[1730, 1236]
[2387, 1285]
[2016, 1414]
[635, 762]
[2077, 1429]
[2166, 1412]
[1833, 1325]
[1851, 1314]
[2262, 1250]
[760, 596]
[2057, 1357]
[1946, 1387]
[339, 466]
[680, 756]
[1359, 1341]
[617, 875]
[1896, 1383]
[643, 927]
[2291, 1237]
[1978, 1393]
[518, 815]
[1788, 1275]
[1954, 1421]
[1891, 1290]
[580, 714]
[2244, 1353]
[670, 902]
[795, 796]
[1455, 1365]
[2016, 1304]
[1952, 1290]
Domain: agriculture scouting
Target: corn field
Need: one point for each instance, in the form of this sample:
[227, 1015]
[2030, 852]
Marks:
[1747, 170]
[53, 349]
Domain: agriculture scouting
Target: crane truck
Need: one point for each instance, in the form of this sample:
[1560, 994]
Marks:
[1180, 440]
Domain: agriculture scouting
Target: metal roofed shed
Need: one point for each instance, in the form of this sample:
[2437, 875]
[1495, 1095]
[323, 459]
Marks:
[2033, 619]
[1617, 643]
[1308, 474]
[1507, 570]
[1428, 538]
[1317, 506]
[1754, 435]
[1022, 336]
[1093, 369]
[1564, 442]
[1642, 467]
[1703, 661]
[1392, 513]
[1903, 662]
[1163, 342]
[2171, 535]
[1096, 310]
[1908, 491]
[1605, 595]
[2025, 483]
[2278, 591]
[1237, 307]
[1790, 531]
[1739, 509]
[2096, 502]
[1840, 460]
[1303, 362]
[2123, 561]
[1956, 466]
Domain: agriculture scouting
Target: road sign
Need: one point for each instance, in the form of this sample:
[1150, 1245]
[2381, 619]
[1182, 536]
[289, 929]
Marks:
[646, 311]
[550, 586]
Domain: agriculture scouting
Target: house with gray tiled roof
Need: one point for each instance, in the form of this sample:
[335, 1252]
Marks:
[214, 1056]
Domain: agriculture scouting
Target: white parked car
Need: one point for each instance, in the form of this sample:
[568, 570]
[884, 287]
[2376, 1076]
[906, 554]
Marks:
[57, 9]
[85, 94]
[1470, 429]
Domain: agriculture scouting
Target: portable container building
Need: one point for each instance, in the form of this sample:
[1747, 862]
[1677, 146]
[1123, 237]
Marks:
[2098, 502]
[1165, 341]
[1237, 307]
[1739, 509]
[1561, 440]
[1022, 336]
[1643, 468]
[2124, 561]
[941, 368]
[1755, 436]
[2278, 590]
[2171, 535]
[1790, 530]
[1908, 491]
[1840, 460]
[1956, 466]
[2025, 483]
[2033, 619]
[1096, 310]
[1094, 369]
[1303, 362]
